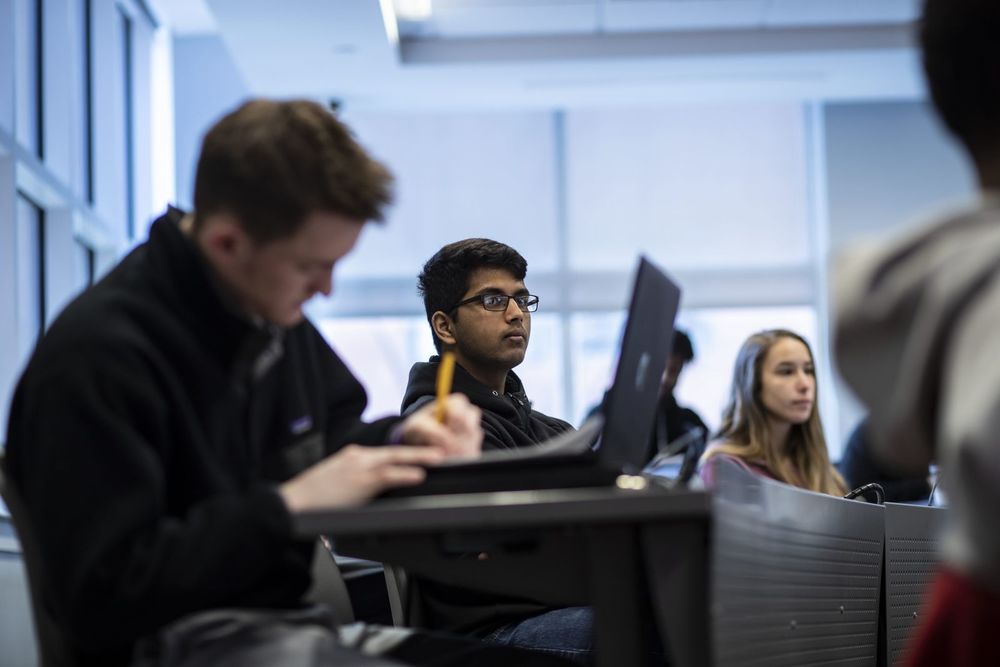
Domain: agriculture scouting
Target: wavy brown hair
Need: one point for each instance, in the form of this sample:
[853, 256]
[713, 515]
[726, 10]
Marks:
[745, 430]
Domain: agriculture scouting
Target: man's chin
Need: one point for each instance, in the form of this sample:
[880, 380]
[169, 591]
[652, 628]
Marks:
[289, 320]
[515, 360]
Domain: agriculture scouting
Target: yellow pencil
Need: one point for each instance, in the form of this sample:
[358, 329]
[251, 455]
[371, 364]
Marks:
[446, 372]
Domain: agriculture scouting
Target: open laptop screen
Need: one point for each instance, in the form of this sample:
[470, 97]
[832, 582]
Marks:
[630, 405]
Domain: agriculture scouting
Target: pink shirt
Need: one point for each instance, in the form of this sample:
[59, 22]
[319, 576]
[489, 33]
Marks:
[707, 471]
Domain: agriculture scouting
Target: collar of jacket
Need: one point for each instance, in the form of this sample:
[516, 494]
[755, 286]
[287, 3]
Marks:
[189, 287]
[423, 377]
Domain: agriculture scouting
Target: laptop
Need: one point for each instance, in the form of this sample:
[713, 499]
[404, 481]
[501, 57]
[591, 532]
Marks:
[605, 446]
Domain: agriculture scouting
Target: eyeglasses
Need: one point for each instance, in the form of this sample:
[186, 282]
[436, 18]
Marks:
[528, 303]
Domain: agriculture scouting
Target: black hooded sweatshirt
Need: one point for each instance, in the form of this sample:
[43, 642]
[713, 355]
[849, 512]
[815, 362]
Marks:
[508, 422]
[147, 437]
[508, 419]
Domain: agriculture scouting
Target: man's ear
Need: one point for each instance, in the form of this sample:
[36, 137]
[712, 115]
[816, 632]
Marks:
[444, 327]
[223, 240]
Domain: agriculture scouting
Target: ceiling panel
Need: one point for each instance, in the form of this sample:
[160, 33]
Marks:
[500, 18]
[565, 53]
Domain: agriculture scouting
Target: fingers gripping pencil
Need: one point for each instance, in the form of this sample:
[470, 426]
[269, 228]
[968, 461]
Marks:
[445, 374]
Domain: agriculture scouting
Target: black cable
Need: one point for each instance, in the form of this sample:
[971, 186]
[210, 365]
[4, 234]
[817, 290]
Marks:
[863, 490]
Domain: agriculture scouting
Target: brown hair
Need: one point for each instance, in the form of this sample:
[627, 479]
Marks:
[271, 164]
[805, 462]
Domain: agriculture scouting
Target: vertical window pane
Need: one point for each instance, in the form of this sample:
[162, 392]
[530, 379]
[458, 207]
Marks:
[85, 97]
[28, 75]
[380, 352]
[693, 187]
[594, 338]
[460, 175]
[30, 275]
[129, 110]
[85, 263]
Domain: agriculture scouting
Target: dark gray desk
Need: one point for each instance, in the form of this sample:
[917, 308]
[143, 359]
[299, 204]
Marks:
[604, 547]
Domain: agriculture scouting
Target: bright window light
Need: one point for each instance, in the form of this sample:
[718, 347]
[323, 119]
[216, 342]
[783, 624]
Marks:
[413, 10]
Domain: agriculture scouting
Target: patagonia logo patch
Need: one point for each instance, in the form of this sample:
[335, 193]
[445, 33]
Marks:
[300, 425]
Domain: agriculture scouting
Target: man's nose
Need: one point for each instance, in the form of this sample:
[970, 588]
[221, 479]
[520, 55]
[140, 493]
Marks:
[513, 311]
[325, 284]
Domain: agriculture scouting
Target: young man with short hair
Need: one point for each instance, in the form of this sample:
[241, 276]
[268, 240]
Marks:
[478, 307]
[178, 413]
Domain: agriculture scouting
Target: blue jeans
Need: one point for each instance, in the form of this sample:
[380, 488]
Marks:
[567, 633]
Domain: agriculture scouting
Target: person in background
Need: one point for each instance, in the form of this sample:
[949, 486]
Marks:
[860, 467]
[770, 425]
[917, 340]
[673, 422]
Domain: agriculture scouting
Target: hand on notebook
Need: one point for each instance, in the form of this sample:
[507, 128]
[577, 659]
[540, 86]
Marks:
[459, 436]
[355, 474]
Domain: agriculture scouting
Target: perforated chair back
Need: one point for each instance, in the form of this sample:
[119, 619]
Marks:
[53, 648]
[796, 575]
[912, 541]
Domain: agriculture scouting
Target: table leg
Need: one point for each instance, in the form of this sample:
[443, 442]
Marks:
[617, 592]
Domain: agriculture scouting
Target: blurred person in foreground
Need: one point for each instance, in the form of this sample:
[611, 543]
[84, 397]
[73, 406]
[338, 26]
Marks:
[917, 340]
[178, 414]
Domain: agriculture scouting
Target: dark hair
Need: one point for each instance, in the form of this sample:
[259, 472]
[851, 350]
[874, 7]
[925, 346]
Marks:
[960, 40]
[445, 276]
[682, 346]
[271, 164]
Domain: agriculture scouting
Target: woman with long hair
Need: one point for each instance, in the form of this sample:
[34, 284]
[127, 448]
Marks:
[771, 425]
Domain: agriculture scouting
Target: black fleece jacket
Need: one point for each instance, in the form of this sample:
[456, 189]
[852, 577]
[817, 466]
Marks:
[147, 436]
[508, 419]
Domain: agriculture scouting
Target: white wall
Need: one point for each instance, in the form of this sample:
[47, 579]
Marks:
[206, 85]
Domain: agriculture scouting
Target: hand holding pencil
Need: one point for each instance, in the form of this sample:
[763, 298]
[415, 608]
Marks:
[445, 376]
[450, 422]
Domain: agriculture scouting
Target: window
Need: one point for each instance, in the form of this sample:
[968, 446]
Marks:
[459, 176]
[381, 350]
[85, 264]
[85, 101]
[28, 74]
[695, 188]
[128, 115]
[31, 306]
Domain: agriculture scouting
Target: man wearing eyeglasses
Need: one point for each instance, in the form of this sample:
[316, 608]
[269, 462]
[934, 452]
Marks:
[479, 308]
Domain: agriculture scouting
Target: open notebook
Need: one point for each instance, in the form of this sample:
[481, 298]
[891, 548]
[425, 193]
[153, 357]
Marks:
[603, 447]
